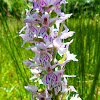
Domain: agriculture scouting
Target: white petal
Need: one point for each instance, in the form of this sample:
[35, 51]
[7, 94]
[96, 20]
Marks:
[65, 81]
[63, 87]
[31, 88]
[40, 81]
[66, 16]
[72, 89]
[75, 97]
[27, 39]
[67, 35]
[72, 57]
[35, 71]
[28, 63]
[63, 2]
[22, 29]
[24, 36]
[33, 65]
[69, 76]
[61, 51]
[33, 77]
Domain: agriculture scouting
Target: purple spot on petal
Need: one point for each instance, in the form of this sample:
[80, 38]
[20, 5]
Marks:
[44, 63]
[32, 34]
[54, 77]
[51, 86]
[61, 88]
[56, 88]
[40, 60]
[47, 80]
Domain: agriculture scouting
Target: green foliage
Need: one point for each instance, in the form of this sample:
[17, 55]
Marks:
[17, 8]
[81, 8]
[85, 45]
[3, 7]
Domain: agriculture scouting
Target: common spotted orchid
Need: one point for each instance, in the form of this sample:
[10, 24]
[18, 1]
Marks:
[47, 34]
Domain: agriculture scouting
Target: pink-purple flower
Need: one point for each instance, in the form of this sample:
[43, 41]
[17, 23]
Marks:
[46, 36]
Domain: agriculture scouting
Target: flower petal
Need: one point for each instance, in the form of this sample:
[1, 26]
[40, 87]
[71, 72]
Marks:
[66, 35]
[31, 88]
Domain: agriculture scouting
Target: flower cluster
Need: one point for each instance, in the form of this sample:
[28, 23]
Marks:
[47, 37]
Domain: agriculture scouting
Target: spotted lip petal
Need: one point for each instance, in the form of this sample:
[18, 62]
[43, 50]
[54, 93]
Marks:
[45, 57]
[41, 54]
[30, 33]
[53, 79]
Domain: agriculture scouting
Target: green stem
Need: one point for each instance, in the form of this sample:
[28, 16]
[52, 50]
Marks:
[54, 55]
[57, 97]
[53, 94]
[61, 28]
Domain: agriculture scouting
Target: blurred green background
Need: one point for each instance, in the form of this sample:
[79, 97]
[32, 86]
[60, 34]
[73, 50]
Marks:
[85, 21]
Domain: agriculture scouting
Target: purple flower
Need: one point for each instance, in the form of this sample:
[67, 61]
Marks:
[53, 79]
[44, 95]
[56, 5]
[30, 33]
[48, 37]
[50, 4]
[41, 54]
